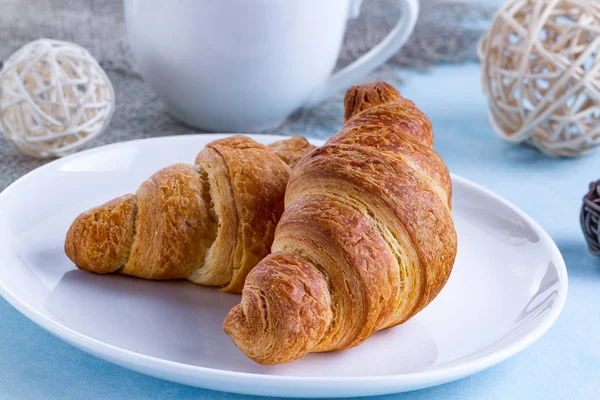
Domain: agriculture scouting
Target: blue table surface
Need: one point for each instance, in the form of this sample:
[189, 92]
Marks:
[563, 364]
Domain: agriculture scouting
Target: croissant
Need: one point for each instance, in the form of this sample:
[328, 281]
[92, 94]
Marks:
[210, 223]
[365, 242]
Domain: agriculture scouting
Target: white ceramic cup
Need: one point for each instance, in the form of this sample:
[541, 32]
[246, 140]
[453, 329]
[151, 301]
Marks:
[245, 65]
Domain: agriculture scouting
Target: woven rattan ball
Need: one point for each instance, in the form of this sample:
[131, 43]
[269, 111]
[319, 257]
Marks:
[590, 218]
[54, 97]
[540, 65]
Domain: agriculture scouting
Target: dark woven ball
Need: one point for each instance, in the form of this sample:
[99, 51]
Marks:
[590, 216]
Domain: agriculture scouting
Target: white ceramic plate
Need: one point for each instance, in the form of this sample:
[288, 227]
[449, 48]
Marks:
[507, 288]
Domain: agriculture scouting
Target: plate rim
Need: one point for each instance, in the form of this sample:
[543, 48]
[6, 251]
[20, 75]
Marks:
[258, 384]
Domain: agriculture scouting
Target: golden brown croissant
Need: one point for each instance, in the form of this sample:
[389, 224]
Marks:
[210, 223]
[365, 242]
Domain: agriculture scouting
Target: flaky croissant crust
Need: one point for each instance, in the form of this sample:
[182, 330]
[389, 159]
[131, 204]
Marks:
[211, 222]
[365, 242]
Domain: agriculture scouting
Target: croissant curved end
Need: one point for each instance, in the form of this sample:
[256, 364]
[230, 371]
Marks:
[100, 239]
[291, 150]
[285, 310]
[362, 97]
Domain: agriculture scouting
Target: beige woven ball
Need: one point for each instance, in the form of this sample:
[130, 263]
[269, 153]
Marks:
[540, 65]
[54, 97]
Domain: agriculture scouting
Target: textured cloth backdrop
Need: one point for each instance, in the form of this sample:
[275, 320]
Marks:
[447, 31]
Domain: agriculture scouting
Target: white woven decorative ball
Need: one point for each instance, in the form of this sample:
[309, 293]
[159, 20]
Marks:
[540, 65]
[54, 97]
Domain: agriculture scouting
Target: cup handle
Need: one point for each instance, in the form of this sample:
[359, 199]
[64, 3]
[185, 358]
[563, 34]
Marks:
[374, 57]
